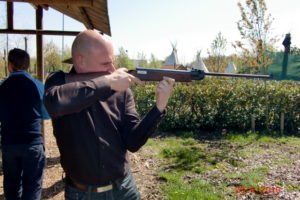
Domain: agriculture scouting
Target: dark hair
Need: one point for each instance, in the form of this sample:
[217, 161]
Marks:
[19, 59]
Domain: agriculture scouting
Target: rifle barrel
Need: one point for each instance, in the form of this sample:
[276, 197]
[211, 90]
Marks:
[150, 74]
[238, 75]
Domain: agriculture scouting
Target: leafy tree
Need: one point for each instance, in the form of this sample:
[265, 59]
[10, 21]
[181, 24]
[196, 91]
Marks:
[32, 68]
[216, 55]
[123, 60]
[52, 58]
[154, 63]
[295, 50]
[255, 29]
[66, 54]
[2, 66]
[142, 60]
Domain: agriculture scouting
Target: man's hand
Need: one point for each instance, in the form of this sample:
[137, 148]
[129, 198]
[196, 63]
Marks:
[120, 80]
[163, 92]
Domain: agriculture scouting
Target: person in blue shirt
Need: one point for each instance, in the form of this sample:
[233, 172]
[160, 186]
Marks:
[21, 115]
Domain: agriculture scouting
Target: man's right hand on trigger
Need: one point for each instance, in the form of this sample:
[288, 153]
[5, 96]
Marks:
[120, 80]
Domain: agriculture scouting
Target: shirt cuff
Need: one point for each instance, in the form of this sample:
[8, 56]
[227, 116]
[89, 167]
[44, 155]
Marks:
[163, 113]
[155, 114]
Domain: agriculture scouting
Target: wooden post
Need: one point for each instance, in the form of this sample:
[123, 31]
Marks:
[39, 50]
[10, 15]
[10, 26]
[5, 62]
[282, 123]
[286, 43]
[253, 123]
[39, 44]
[25, 40]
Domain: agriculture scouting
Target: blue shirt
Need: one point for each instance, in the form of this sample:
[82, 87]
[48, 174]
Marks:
[21, 109]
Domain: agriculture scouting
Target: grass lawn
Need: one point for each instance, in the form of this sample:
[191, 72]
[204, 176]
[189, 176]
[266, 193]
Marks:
[238, 166]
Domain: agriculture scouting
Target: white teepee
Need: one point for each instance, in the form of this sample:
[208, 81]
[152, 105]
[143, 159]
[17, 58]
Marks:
[172, 59]
[230, 68]
[199, 64]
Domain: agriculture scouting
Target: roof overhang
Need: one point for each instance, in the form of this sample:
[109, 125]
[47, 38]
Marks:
[92, 13]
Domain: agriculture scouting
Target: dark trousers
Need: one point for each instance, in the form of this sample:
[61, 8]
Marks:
[123, 189]
[23, 167]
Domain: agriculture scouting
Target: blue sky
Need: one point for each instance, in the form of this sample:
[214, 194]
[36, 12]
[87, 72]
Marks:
[142, 26]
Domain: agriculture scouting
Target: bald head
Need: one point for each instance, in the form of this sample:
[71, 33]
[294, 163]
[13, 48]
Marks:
[87, 40]
[89, 50]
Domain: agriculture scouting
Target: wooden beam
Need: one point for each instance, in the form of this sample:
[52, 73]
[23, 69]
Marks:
[86, 19]
[10, 15]
[45, 6]
[80, 3]
[39, 32]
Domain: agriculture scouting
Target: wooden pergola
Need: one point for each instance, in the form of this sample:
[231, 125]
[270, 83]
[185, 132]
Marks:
[92, 13]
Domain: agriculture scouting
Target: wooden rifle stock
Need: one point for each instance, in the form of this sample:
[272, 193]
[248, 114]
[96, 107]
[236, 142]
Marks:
[152, 74]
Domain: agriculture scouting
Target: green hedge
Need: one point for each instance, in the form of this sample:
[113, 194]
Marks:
[227, 104]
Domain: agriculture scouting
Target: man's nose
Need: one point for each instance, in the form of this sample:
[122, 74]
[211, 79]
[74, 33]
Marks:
[111, 68]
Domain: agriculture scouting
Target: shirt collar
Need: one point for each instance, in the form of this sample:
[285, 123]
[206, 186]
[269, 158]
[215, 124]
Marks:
[19, 73]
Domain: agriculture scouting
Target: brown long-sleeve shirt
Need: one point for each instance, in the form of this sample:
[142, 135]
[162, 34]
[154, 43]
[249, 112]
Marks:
[94, 127]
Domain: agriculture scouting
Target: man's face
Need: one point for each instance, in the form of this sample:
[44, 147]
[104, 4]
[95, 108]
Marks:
[97, 60]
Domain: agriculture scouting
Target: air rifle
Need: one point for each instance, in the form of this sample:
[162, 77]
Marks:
[152, 74]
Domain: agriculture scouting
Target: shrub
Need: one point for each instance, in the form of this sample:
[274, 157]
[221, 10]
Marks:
[221, 103]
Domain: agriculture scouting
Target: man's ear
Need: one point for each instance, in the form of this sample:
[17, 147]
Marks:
[10, 67]
[78, 63]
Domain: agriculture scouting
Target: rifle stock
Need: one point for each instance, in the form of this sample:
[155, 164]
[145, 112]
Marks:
[151, 74]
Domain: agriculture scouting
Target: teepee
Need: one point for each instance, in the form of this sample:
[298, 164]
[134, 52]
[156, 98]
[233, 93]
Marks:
[199, 64]
[230, 68]
[171, 61]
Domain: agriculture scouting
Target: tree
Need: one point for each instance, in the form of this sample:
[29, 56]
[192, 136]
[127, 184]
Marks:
[2, 66]
[154, 63]
[295, 50]
[216, 55]
[123, 60]
[255, 29]
[142, 60]
[66, 54]
[3, 44]
[52, 58]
